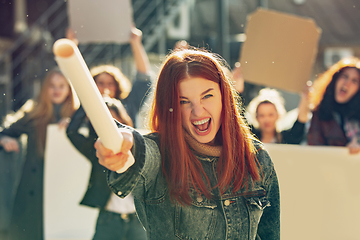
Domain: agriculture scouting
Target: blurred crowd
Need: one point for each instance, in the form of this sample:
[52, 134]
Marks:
[327, 114]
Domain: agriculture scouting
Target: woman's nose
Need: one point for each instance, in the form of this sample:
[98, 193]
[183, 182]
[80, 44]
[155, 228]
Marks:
[197, 109]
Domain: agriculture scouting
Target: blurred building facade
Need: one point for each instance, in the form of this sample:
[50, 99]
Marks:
[29, 28]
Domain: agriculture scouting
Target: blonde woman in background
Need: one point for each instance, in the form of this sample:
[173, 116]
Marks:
[55, 104]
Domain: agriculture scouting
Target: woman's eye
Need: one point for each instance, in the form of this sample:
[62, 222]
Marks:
[183, 102]
[207, 96]
[342, 75]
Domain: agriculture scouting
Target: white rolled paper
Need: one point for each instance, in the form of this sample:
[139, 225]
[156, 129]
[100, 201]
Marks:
[73, 66]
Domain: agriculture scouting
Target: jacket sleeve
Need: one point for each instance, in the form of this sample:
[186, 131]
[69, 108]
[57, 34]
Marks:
[269, 226]
[315, 135]
[143, 174]
[295, 134]
[85, 145]
[21, 126]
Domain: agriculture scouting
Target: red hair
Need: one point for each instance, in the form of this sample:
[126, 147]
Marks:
[180, 166]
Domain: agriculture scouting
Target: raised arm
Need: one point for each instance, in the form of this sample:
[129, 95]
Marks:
[296, 134]
[141, 59]
[142, 81]
[238, 77]
[303, 107]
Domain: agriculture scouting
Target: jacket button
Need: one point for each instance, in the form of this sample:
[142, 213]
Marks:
[227, 202]
[119, 193]
[199, 199]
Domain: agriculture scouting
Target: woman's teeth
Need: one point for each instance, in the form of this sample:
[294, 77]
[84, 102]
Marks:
[201, 121]
[202, 125]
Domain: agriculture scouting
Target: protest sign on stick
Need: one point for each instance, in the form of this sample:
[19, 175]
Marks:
[107, 21]
[279, 50]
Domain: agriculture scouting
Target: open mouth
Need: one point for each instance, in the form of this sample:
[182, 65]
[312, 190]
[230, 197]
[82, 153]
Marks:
[267, 125]
[343, 91]
[202, 125]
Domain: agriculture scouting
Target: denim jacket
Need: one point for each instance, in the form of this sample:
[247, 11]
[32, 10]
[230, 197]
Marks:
[252, 213]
